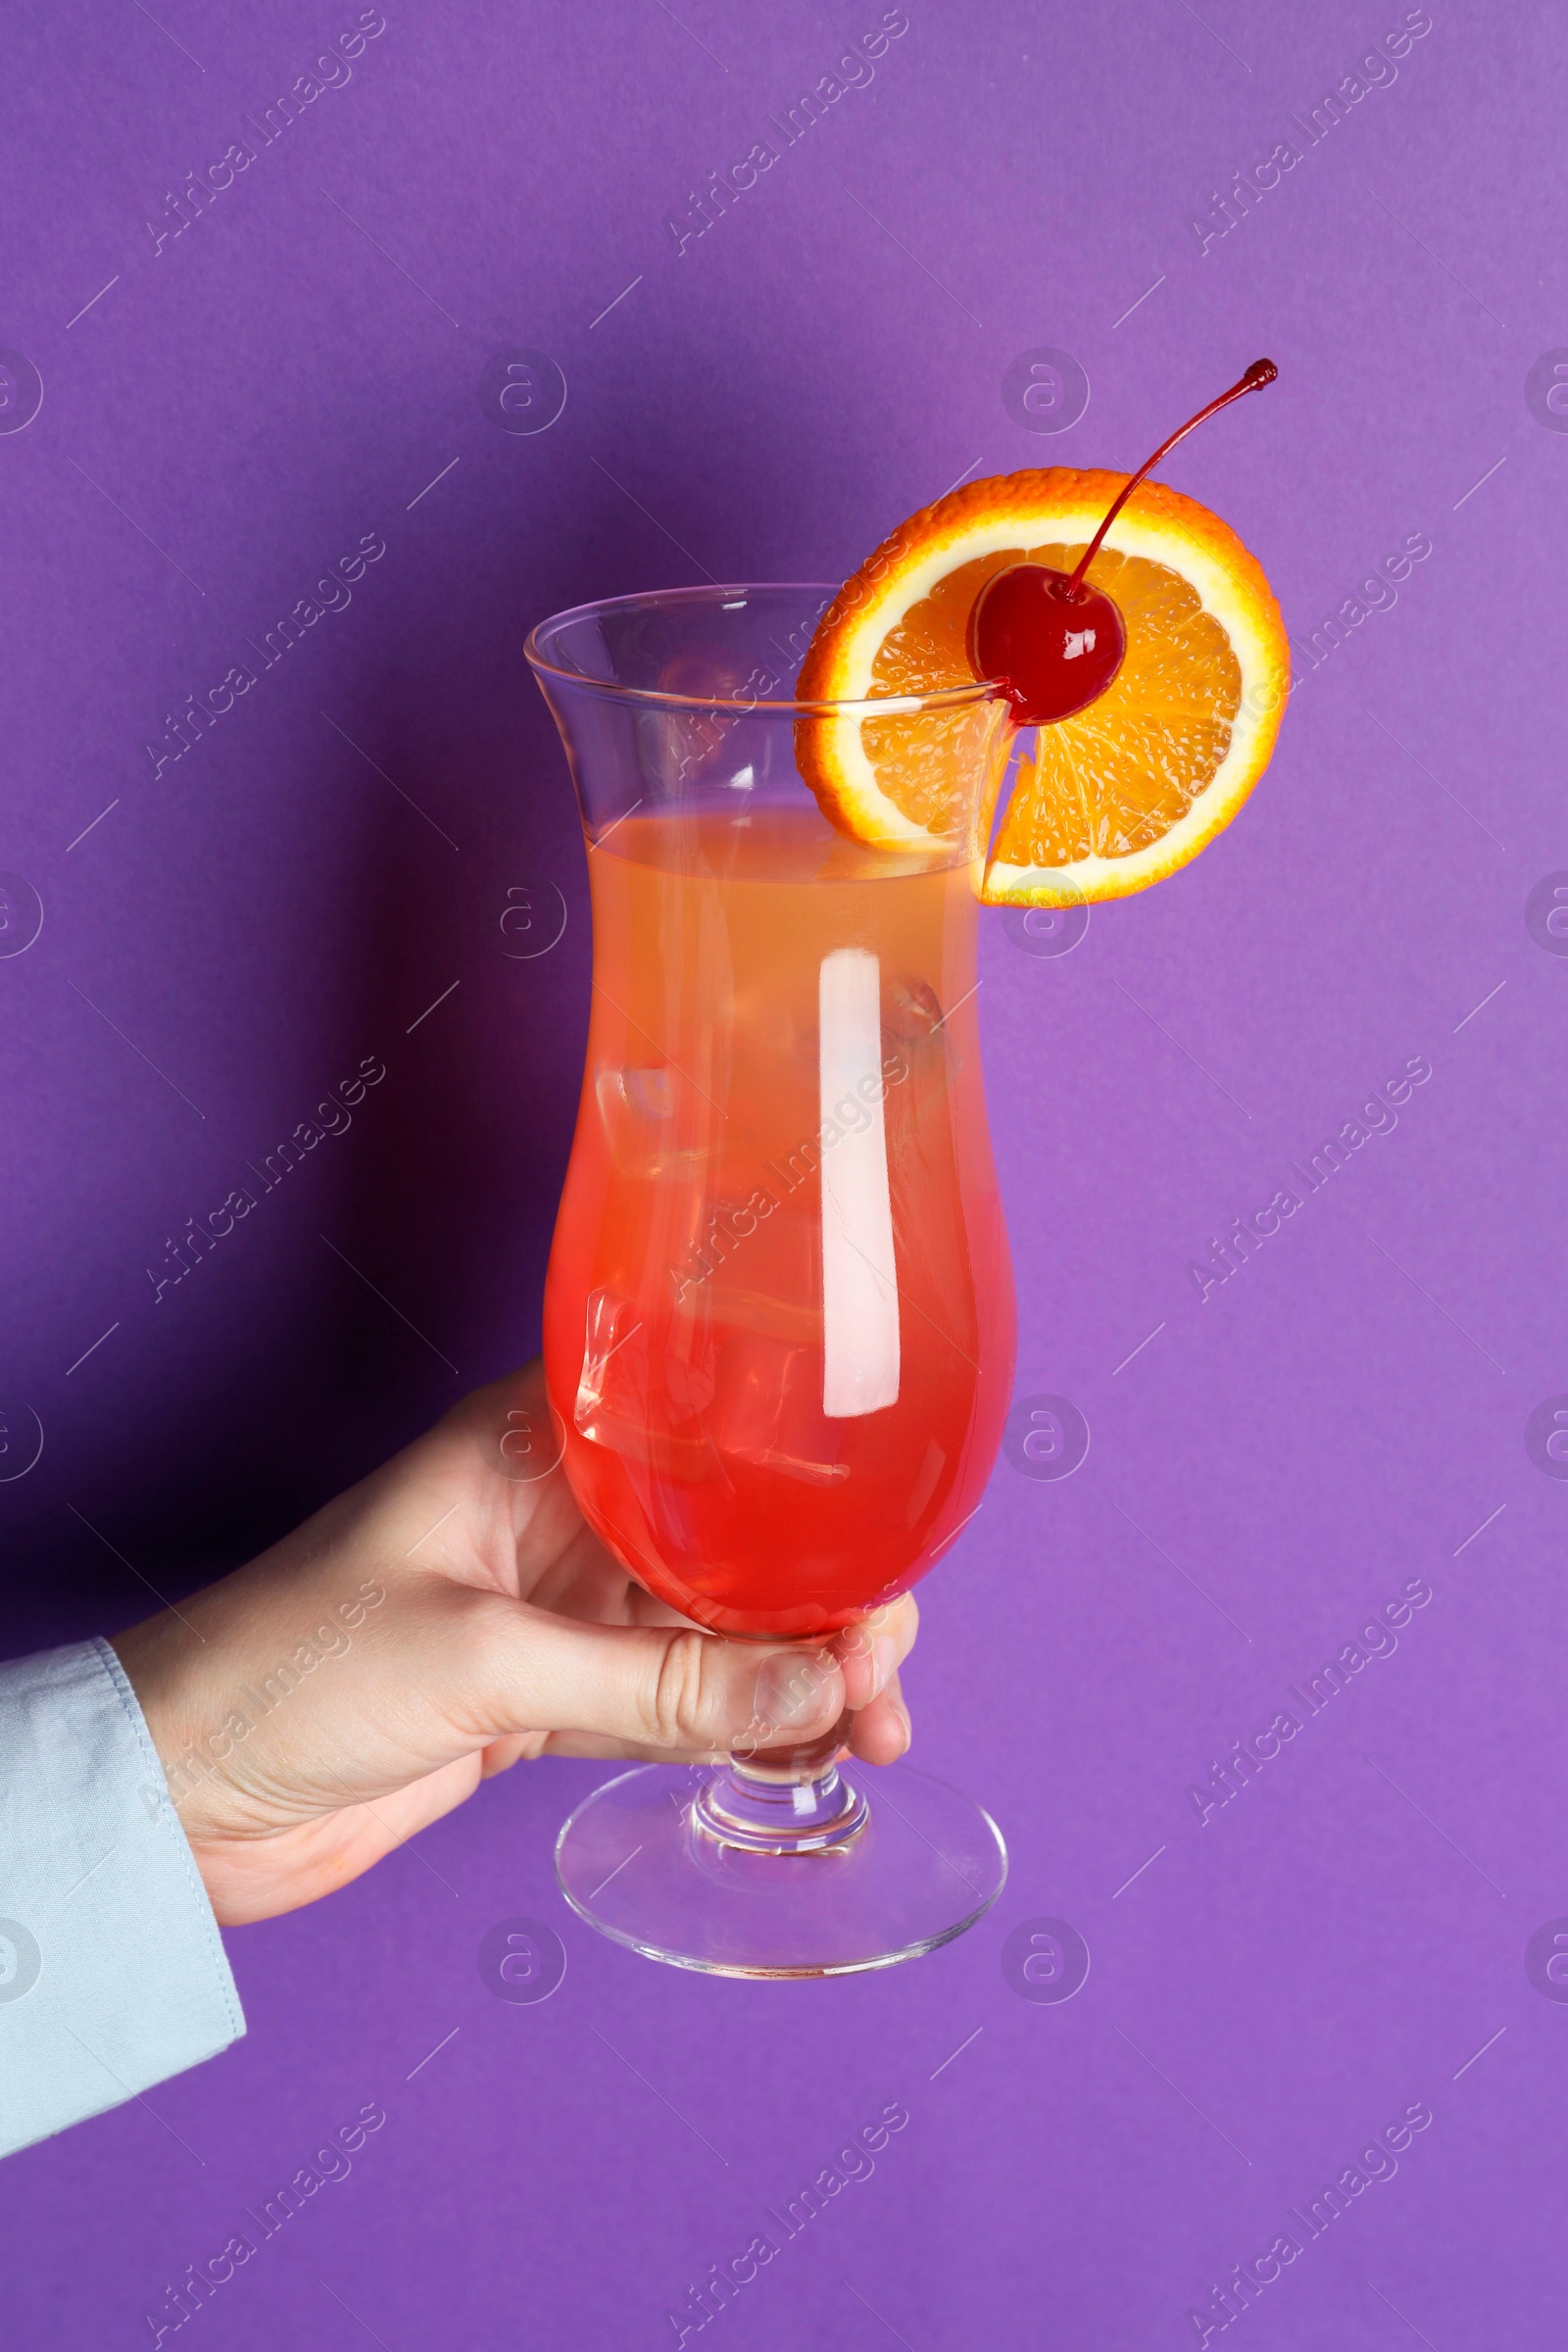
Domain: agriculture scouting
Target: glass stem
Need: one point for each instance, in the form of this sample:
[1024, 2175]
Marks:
[784, 1800]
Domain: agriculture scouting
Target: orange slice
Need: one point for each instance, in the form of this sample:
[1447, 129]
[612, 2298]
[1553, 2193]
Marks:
[1113, 799]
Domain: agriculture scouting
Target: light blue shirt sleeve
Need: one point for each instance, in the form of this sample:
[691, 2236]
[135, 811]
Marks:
[112, 1975]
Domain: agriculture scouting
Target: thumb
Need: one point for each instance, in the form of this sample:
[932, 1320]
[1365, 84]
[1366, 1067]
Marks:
[653, 1686]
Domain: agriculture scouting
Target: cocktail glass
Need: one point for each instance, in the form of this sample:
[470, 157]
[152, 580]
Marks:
[778, 1314]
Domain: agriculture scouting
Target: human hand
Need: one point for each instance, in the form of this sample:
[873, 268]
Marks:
[430, 1627]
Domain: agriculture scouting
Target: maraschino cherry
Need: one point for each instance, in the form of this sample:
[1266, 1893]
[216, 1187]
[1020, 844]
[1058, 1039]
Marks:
[1052, 645]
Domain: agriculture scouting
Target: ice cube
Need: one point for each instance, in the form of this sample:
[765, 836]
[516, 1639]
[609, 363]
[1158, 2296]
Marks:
[605, 1397]
[640, 1109]
[643, 1388]
[767, 1410]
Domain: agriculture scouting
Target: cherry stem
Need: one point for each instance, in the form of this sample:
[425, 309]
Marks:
[1260, 372]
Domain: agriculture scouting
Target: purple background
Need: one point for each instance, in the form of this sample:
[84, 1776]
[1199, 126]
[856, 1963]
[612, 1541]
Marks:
[236, 410]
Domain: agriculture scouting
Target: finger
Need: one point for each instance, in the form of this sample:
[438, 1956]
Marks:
[879, 1734]
[500, 1756]
[486, 1479]
[880, 1721]
[871, 1650]
[584, 1746]
[639, 1606]
[678, 1690]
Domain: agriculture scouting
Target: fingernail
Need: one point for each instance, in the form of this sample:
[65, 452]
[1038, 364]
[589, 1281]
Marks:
[884, 1658]
[903, 1714]
[794, 1688]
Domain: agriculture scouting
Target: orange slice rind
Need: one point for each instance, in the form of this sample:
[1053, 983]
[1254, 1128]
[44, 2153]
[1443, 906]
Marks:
[1113, 799]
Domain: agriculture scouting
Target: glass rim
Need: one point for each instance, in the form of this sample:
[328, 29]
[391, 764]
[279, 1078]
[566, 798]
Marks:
[886, 705]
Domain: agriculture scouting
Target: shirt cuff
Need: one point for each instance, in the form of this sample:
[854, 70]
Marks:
[112, 1975]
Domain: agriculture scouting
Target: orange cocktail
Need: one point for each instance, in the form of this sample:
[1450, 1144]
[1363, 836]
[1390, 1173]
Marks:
[778, 1320]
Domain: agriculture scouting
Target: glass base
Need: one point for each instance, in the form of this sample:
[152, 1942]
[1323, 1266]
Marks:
[751, 1872]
